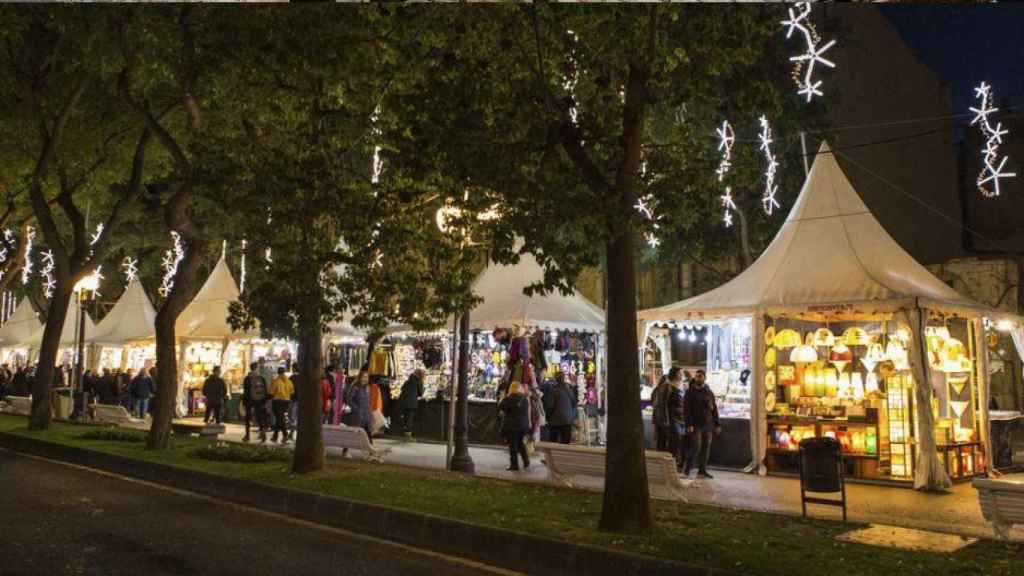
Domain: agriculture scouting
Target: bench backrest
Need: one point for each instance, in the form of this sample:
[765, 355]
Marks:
[570, 459]
[346, 437]
[112, 413]
[20, 404]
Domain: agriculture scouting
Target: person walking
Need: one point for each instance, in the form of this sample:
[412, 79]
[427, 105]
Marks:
[515, 424]
[660, 419]
[142, 389]
[357, 402]
[215, 390]
[124, 385]
[338, 405]
[255, 391]
[701, 422]
[281, 391]
[561, 418]
[409, 399]
[326, 396]
[675, 413]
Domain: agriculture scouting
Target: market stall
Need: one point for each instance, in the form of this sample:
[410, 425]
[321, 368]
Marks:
[124, 338]
[16, 334]
[66, 352]
[851, 338]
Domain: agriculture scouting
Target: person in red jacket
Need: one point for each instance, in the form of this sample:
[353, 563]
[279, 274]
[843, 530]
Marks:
[326, 395]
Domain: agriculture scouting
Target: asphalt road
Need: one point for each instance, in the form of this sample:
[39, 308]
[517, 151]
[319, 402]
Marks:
[57, 519]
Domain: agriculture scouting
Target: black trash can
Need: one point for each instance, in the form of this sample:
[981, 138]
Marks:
[821, 471]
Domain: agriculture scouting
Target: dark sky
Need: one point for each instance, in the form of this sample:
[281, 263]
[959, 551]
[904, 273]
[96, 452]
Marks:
[965, 44]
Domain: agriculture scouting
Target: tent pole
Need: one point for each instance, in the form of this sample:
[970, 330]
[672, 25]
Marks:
[803, 145]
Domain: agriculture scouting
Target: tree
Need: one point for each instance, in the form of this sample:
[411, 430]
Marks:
[66, 96]
[551, 110]
[345, 235]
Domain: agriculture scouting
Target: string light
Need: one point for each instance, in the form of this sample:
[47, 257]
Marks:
[241, 284]
[172, 258]
[726, 138]
[131, 269]
[48, 282]
[646, 212]
[770, 189]
[96, 236]
[992, 171]
[804, 63]
[26, 270]
[570, 81]
[378, 164]
[8, 241]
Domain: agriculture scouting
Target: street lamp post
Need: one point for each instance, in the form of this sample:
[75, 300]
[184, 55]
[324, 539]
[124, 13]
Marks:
[461, 461]
[84, 290]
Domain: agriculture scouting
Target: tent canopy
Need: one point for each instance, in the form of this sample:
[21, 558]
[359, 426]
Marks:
[69, 334]
[206, 317]
[504, 304]
[21, 326]
[830, 251]
[131, 319]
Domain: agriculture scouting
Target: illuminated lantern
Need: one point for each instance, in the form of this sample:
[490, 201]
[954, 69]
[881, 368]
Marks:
[873, 357]
[831, 383]
[787, 375]
[845, 390]
[840, 356]
[769, 358]
[856, 337]
[823, 337]
[788, 339]
[857, 385]
[803, 354]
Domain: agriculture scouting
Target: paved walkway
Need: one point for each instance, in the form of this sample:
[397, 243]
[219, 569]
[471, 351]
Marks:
[956, 512]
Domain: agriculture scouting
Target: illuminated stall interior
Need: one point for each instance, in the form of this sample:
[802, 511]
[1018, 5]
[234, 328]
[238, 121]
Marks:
[16, 335]
[124, 338]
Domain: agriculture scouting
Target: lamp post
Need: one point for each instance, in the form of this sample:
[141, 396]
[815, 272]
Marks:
[84, 290]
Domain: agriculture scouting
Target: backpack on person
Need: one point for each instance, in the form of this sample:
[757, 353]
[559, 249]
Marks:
[257, 388]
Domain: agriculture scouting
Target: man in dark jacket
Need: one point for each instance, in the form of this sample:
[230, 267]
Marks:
[409, 399]
[255, 392]
[561, 418]
[701, 422]
[106, 387]
[660, 420]
[215, 390]
[515, 424]
[142, 390]
[675, 413]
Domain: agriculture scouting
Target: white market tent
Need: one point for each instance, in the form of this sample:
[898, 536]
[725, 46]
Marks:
[831, 258]
[69, 335]
[130, 320]
[20, 327]
[205, 318]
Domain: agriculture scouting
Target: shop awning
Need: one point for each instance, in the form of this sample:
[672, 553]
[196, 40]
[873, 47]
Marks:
[830, 251]
[206, 317]
[21, 326]
[131, 319]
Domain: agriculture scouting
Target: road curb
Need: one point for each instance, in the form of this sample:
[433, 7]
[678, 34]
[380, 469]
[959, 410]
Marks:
[510, 550]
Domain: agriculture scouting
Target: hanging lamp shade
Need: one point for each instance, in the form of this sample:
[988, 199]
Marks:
[874, 355]
[856, 337]
[958, 382]
[840, 356]
[769, 358]
[803, 354]
[769, 336]
[823, 337]
[788, 339]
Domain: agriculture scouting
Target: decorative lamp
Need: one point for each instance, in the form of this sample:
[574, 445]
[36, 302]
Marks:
[787, 375]
[857, 385]
[957, 381]
[809, 339]
[769, 336]
[788, 339]
[845, 391]
[803, 354]
[840, 356]
[856, 337]
[769, 358]
[953, 356]
[871, 385]
[873, 357]
[823, 337]
[831, 383]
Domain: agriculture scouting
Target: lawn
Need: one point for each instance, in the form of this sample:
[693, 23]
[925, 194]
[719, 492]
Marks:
[742, 541]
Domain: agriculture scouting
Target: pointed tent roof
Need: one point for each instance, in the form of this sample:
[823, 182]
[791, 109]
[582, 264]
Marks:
[20, 327]
[206, 317]
[830, 250]
[131, 319]
[69, 333]
[504, 304]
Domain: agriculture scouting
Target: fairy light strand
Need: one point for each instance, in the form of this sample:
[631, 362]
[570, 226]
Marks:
[172, 258]
[644, 209]
[992, 170]
[803, 67]
[131, 269]
[768, 200]
[26, 270]
[49, 283]
[570, 80]
[726, 139]
[241, 276]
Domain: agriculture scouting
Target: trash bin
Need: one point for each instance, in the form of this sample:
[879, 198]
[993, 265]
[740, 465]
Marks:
[821, 471]
[65, 404]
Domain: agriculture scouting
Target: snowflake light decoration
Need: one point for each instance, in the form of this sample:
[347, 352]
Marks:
[96, 237]
[726, 138]
[172, 258]
[992, 171]
[772, 165]
[803, 68]
[131, 269]
[645, 210]
[241, 283]
[47, 272]
[26, 270]
[573, 78]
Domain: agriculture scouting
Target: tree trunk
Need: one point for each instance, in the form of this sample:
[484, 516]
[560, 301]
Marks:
[43, 384]
[626, 498]
[744, 229]
[309, 443]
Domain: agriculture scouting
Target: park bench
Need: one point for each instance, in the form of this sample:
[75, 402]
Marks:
[116, 414]
[352, 438]
[21, 405]
[1002, 503]
[183, 428]
[565, 461]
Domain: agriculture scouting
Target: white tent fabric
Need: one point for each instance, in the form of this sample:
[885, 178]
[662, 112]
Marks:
[69, 334]
[131, 319]
[343, 330]
[205, 318]
[830, 249]
[504, 304]
[21, 326]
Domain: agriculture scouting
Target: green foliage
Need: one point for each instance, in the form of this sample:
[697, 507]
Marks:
[113, 435]
[231, 452]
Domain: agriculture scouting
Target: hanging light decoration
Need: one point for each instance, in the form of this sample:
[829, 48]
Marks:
[131, 269]
[241, 282]
[803, 67]
[172, 258]
[645, 211]
[570, 80]
[8, 241]
[47, 272]
[26, 269]
[771, 166]
[992, 171]
[726, 138]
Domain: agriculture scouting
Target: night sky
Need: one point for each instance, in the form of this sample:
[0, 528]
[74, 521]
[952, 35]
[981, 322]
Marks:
[967, 44]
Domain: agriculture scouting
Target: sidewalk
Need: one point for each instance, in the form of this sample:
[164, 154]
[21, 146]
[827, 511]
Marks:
[957, 512]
